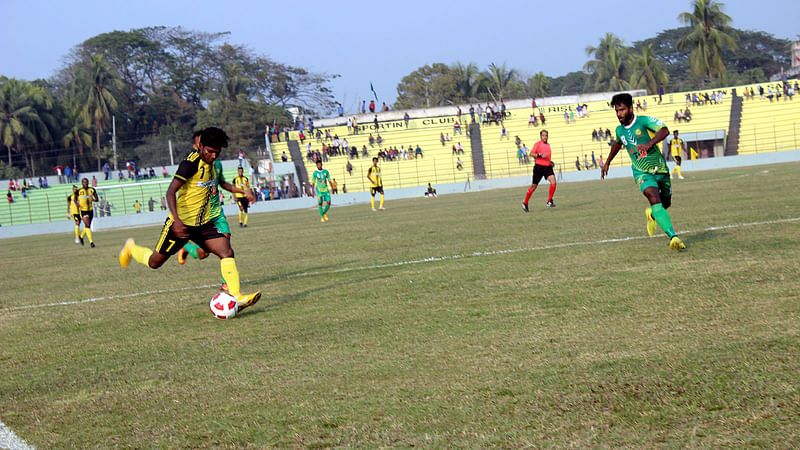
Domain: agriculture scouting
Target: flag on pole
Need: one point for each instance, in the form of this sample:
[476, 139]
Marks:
[373, 91]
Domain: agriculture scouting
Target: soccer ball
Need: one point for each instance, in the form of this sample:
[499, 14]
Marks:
[223, 306]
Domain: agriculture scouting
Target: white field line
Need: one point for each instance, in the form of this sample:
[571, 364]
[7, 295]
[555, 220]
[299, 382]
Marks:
[396, 264]
[10, 440]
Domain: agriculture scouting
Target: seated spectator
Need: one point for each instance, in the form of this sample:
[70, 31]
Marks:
[349, 168]
[371, 140]
[460, 148]
[379, 140]
[456, 128]
[459, 164]
[430, 191]
[418, 152]
[594, 135]
[441, 138]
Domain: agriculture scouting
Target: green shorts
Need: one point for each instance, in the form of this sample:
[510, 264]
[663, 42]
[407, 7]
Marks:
[323, 197]
[659, 181]
[221, 224]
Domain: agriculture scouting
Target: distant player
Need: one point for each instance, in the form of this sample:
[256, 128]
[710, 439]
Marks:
[217, 214]
[677, 148]
[640, 136]
[86, 198]
[188, 198]
[542, 169]
[321, 179]
[243, 183]
[74, 213]
[375, 183]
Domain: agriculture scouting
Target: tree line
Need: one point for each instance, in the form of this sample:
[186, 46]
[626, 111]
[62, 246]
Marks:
[706, 52]
[158, 83]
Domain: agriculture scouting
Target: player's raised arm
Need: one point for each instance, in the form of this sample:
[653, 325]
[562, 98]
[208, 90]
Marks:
[660, 136]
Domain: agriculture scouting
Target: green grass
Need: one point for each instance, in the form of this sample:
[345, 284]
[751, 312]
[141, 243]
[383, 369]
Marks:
[623, 343]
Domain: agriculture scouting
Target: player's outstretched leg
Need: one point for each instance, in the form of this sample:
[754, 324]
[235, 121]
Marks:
[132, 251]
[231, 276]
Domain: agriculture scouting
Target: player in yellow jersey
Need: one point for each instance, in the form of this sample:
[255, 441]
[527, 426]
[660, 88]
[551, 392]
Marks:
[73, 212]
[677, 147]
[86, 198]
[188, 198]
[375, 183]
[243, 183]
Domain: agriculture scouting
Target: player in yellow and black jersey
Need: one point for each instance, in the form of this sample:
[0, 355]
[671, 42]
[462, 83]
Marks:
[73, 212]
[243, 183]
[86, 198]
[375, 183]
[188, 198]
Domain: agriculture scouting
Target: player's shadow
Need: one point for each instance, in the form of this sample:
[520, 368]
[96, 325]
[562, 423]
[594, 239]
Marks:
[307, 271]
[705, 236]
[284, 299]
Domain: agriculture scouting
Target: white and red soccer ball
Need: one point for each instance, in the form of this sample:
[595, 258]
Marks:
[223, 306]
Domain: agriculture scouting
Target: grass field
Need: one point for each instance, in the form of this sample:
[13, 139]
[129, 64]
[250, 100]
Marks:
[509, 329]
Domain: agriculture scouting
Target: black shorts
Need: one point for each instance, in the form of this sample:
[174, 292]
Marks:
[244, 203]
[677, 159]
[169, 244]
[375, 190]
[540, 172]
[76, 217]
[89, 213]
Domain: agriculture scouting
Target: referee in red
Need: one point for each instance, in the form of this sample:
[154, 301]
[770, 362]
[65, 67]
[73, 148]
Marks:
[542, 169]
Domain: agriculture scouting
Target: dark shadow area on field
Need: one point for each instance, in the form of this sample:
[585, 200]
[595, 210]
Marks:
[281, 300]
[703, 236]
[310, 271]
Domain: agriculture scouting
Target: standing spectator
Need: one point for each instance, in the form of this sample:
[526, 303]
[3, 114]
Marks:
[472, 113]
[106, 168]
[163, 203]
[68, 174]
[363, 106]
[578, 162]
[340, 110]
[375, 121]
[137, 206]
[164, 172]
[384, 108]
[586, 161]
[594, 161]
[372, 106]
[94, 181]
[59, 172]
[151, 204]
[349, 125]
[660, 92]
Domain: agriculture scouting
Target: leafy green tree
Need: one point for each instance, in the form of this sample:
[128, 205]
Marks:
[25, 118]
[610, 67]
[101, 84]
[538, 85]
[707, 37]
[243, 121]
[467, 79]
[501, 82]
[77, 132]
[648, 72]
[570, 84]
[428, 86]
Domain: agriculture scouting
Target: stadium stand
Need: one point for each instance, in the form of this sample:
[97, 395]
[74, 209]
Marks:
[768, 126]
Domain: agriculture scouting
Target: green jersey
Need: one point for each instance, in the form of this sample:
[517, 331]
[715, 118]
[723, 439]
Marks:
[214, 204]
[321, 178]
[640, 131]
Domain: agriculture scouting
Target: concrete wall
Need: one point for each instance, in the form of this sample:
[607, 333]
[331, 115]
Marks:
[153, 218]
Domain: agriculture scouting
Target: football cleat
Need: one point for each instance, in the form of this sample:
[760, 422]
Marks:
[382, 208]
[91, 244]
[374, 209]
[224, 287]
[182, 256]
[325, 216]
[680, 177]
[525, 207]
[81, 239]
[77, 241]
[125, 253]
[246, 301]
[322, 219]
[550, 204]
[651, 223]
[676, 243]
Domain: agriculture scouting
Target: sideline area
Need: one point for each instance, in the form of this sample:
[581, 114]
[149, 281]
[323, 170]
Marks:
[153, 218]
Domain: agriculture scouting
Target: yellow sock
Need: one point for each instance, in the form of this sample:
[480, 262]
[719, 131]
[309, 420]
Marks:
[372, 201]
[77, 231]
[231, 275]
[381, 201]
[141, 254]
[245, 218]
[88, 232]
[83, 233]
[240, 216]
[678, 168]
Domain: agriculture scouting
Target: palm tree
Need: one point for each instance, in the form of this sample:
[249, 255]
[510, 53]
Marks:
[77, 128]
[539, 85]
[100, 101]
[24, 117]
[466, 80]
[707, 37]
[647, 71]
[610, 64]
[498, 80]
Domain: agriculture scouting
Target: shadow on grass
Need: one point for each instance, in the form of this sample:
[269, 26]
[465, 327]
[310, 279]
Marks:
[282, 300]
[703, 236]
[307, 271]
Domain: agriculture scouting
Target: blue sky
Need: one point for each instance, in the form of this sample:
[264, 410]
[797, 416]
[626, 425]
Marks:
[377, 41]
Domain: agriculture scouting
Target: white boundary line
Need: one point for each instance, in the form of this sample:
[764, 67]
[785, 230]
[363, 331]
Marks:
[396, 264]
[10, 440]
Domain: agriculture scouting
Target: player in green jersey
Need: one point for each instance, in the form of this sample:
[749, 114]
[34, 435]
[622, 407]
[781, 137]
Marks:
[640, 136]
[321, 179]
[216, 213]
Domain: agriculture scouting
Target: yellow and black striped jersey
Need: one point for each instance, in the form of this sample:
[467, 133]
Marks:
[675, 145]
[73, 208]
[374, 174]
[243, 183]
[86, 197]
[193, 198]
